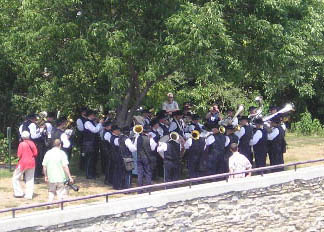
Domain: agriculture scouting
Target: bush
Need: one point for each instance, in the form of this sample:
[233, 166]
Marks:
[308, 126]
[3, 148]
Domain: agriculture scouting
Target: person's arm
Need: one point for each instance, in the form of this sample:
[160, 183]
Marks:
[153, 144]
[240, 133]
[227, 141]
[162, 147]
[107, 136]
[79, 125]
[131, 146]
[67, 173]
[33, 148]
[164, 106]
[20, 150]
[273, 134]
[65, 140]
[45, 173]
[210, 139]
[116, 142]
[188, 144]
[248, 166]
[256, 137]
[92, 128]
[176, 106]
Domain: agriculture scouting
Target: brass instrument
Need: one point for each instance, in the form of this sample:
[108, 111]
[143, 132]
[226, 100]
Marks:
[287, 108]
[69, 122]
[41, 119]
[222, 130]
[195, 134]
[174, 136]
[258, 113]
[138, 129]
[237, 128]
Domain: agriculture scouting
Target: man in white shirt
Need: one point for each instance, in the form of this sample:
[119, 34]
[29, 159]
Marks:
[56, 171]
[238, 163]
[170, 105]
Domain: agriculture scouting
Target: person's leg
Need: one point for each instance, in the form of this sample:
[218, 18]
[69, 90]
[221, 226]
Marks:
[62, 192]
[147, 172]
[29, 175]
[18, 192]
[140, 172]
[51, 191]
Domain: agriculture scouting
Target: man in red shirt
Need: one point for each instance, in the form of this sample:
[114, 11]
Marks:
[26, 153]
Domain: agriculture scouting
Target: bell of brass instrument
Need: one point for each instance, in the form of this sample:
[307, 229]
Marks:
[237, 128]
[69, 122]
[287, 108]
[195, 134]
[174, 136]
[138, 129]
[222, 130]
[41, 119]
[258, 113]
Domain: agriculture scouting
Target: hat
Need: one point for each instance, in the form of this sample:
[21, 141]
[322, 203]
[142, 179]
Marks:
[177, 113]
[107, 123]
[146, 128]
[32, 116]
[229, 127]
[91, 112]
[252, 108]
[51, 115]
[154, 121]
[195, 117]
[212, 125]
[258, 121]
[170, 94]
[126, 129]
[115, 127]
[244, 118]
[275, 119]
[25, 135]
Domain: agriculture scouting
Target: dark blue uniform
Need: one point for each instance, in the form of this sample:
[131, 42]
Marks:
[260, 149]
[193, 156]
[277, 147]
[145, 161]
[244, 145]
[216, 154]
[233, 139]
[172, 161]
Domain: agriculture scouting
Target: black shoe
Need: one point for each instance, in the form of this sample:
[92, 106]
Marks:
[19, 196]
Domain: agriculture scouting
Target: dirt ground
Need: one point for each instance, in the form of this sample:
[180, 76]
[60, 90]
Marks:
[299, 149]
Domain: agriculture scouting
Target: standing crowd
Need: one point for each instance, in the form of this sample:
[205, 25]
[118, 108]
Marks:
[171, 144]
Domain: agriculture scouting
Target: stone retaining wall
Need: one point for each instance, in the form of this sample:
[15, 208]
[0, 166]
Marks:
[294, 206]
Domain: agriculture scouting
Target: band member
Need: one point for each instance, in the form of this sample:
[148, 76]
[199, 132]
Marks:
[107, 151]
[36, 136]
[238, 163]
[90, 143]
[177, 124]
[48, 129]
[156, 133]
[187, 108]
[146, 114]
[122, 147]
[215, 148]
[171, 151]
[194, 149]
[170, 105]
[163, 125]
[195, 125]
[259, 143]
[58, 132]
[80, 129]
[230, 139]
[146, 158]
[245, 134]
[277, 143]
[229, 119]
[213, 116]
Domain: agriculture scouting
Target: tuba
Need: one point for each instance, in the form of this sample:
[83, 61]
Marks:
[195, 134]
[138, 129]
[174, 136]
[41, 119]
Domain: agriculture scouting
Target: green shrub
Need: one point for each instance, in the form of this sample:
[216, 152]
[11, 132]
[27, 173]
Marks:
[3, 148]
[308, 126]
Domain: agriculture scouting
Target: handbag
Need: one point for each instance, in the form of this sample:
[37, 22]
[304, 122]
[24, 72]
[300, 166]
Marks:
[129, 164]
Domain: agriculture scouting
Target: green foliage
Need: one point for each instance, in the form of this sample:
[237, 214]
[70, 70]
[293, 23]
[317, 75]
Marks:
[308, 126]
[4, 148]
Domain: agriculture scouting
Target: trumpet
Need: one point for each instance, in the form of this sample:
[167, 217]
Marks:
[195, 134]
[174, 136]
[69, 122]
[138, 129]
[222, 130]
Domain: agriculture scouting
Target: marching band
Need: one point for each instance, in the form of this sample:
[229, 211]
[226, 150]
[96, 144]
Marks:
[163, 145]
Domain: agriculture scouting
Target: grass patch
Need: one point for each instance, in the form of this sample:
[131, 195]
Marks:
[5, 173]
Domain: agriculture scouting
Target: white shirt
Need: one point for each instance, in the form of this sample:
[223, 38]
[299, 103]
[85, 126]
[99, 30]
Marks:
[188, 143]
[274, 133]
[80, 125]
[240, 133]
[35, 132]
[175, 124]
[238, 163]
[256, 137]
[163, 147]
[283, 125]
[170, 106]
[94, 129]
[49, 129]
[107, 136]
[65, 140]
[131, 146]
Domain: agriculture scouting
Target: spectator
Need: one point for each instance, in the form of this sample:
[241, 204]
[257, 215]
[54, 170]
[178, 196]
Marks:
[27, 153]
[56, 169]
[213, 116]
[170, 105]
[238, 163]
